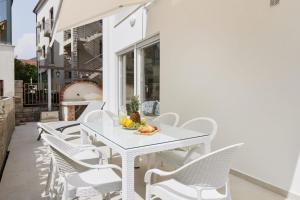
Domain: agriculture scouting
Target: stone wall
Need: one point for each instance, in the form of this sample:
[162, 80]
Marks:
[29, 114]
[7, 125]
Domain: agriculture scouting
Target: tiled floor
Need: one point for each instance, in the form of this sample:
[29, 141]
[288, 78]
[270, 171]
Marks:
[26, 171]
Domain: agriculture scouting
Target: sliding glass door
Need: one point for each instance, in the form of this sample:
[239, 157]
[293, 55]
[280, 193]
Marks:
[139, 71]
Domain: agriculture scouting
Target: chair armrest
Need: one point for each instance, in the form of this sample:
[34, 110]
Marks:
[159, 172]
[105, 166]
[93, 148]
[61, 129]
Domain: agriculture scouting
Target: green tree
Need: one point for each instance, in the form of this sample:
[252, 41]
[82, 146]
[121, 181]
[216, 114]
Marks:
[25, 72]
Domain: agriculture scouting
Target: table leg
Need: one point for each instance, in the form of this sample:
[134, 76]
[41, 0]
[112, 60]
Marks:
[128, 192]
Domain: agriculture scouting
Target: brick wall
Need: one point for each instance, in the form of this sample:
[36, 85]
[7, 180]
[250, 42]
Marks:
[7, 125]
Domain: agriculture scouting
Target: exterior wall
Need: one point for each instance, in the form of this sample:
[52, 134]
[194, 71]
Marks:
[114, 40]
[238, 62]
[7, 126]
[7, 69]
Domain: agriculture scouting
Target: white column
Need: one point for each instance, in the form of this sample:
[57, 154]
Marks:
[49, 89]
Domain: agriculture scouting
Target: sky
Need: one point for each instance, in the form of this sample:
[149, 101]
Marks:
[23, 28]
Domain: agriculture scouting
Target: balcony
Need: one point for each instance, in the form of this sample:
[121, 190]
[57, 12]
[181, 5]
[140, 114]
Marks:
[14, 184]
[48, 28]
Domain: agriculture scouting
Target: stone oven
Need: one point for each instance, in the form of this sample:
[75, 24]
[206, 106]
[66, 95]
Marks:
[76, 96]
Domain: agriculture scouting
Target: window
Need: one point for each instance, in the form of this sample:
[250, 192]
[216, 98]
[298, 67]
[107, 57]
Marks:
[150, 73]
[3, 31]
[43, 23]
[1, 88]
[44, 52]
[139, 74]
[51, 17]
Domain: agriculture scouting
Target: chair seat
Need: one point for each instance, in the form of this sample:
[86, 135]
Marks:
[94, 182]
[172, 189]
[177, 157]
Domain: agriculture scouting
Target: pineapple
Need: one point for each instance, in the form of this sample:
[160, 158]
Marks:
[134, 109]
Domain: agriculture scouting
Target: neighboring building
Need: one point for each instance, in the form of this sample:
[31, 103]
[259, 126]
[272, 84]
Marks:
[47, 56]
[67, 56]
[7, 75]
[5, 21]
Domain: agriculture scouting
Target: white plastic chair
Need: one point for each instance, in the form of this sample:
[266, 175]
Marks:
[198, 180]
[71, 126]
[97, 116]
[86, 153]
[78, 178]
[169, 118]
[180, 157]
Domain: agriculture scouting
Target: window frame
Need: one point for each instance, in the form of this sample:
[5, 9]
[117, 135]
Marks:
[138, 64]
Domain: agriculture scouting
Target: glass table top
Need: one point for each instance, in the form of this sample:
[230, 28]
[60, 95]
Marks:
[129, 139]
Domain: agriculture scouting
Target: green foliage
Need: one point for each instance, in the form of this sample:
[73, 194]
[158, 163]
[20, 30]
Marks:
[25, 72]
[134, 104]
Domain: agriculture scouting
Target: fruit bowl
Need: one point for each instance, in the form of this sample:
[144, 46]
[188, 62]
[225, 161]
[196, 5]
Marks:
[127, 123]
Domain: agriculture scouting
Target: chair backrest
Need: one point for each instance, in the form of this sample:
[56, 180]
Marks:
[95, 105]
[97, 115]
[62, 153]
[202, 124]
[169, 118]
[211, 170]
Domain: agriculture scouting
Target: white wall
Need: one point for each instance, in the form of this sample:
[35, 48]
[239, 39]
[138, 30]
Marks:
[114, 40]
[238, 62]
[7, 69]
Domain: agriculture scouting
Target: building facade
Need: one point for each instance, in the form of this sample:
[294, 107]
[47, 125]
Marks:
[6, 50]
[47, 55]
[229, 64]
[131, 61]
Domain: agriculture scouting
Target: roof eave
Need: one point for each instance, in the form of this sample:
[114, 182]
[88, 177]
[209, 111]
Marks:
[38, 6]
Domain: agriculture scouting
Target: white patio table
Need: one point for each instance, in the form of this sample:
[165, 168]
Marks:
[130, 145]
